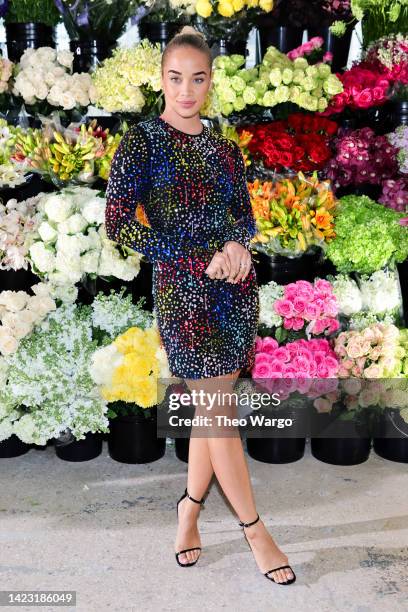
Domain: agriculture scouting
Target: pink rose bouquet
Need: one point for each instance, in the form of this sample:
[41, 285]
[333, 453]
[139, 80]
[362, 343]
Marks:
[370, 353]
[363, 87]
[313, 305]
[307, 366]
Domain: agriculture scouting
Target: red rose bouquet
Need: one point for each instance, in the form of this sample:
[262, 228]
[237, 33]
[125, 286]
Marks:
[300, 143]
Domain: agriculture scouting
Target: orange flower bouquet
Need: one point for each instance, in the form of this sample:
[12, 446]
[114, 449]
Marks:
[292, 214]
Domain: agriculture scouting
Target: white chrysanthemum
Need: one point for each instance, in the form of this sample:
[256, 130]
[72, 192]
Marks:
[14, 300]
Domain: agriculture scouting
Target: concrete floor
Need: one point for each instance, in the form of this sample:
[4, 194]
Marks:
[106, 530]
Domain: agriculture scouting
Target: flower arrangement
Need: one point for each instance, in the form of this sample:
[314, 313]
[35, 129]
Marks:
[113, 314]
[268, 295]
[78, 154]
[37, 11]
[48, 388]
[20, 312]
[395, 194]
[363, 88]
[18, 221]
[370, 353]
[153, 11]
[130, 80]
[311, 305]
[10, 176]
[227, 8]
[276, 80]
[242, 137]
[359, 157]
[293, 367]
[45, 75]
[300, 143]
[71, 240]
[376, 293]
[389, 56]
[368, 236]
[399, 140]
[380, 17]
[6, 71]
[129, 370]
[312, 50]
[103, 19]
[292, 214]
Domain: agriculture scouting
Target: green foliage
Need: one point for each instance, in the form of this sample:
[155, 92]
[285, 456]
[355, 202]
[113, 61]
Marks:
[36, 11]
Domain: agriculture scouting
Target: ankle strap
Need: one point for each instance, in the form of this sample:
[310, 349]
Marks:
[197, 501]
[249, 524]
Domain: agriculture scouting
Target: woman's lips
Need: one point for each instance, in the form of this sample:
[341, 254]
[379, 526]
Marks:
[187, 104]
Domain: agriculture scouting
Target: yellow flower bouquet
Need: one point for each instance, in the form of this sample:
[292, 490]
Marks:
[131, 371]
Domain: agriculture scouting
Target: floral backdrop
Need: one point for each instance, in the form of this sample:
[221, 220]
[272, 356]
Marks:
[326, 154]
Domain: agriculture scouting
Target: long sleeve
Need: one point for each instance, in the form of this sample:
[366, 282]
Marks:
[244, 228]
[128, 185]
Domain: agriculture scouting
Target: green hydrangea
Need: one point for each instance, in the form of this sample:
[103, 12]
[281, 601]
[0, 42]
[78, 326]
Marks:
[368, 236]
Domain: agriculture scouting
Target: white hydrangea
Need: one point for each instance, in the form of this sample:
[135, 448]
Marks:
[268, 294]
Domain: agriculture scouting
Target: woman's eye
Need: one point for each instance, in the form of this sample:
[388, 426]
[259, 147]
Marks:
[200, 80]
[174, 79]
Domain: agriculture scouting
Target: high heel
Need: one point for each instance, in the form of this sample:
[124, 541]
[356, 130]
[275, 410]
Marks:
[201, 501]
[241, 524]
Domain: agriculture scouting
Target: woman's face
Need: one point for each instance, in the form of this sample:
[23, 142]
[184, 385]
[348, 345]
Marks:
[186, 79]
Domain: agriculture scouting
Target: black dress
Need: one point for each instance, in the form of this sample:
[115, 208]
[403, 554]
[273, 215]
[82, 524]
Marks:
[193, 192]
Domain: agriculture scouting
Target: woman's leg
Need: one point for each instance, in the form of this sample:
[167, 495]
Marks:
[228, 461]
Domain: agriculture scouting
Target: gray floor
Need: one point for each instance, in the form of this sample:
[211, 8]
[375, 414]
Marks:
[106, 530]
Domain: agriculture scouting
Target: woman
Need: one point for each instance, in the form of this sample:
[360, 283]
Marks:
[190, 181]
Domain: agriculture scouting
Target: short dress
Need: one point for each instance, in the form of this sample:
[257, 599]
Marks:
[193, 194]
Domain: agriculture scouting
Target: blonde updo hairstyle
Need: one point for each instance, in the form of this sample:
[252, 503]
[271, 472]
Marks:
[188, 37]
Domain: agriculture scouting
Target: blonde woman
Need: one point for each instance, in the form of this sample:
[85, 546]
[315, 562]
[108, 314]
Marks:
[191, 182]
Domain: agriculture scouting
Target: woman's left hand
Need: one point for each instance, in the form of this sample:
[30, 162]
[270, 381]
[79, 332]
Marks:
[239, 259]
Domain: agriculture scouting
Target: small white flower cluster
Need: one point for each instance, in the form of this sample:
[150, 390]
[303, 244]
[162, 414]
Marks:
[115, 313]
[48, 374]
[268, 294]
[71, 240]
[46, 74]
[20, 313]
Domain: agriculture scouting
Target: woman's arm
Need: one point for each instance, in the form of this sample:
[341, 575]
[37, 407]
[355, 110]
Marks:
[128, 184]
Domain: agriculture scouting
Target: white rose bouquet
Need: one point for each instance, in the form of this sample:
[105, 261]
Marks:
[71, 240]
[20, 312]
[45, 74]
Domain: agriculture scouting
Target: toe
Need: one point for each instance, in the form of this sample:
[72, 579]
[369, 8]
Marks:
[289, 574]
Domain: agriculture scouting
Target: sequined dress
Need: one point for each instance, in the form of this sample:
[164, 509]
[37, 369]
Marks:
[193, 193]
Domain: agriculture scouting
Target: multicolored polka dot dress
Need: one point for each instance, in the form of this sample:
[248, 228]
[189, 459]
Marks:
[177, 198]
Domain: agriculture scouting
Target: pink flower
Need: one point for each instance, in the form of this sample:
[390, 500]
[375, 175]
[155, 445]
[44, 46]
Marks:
[403, 221]
[328, 57]
[284, 308]
[299, 304]
[323, 286]
[282, 354]
[311, 311]
[262, 358]
[297, 323]
[261, 370]
[288, 323]
[364, 99]
[322, 405]
[269, 345]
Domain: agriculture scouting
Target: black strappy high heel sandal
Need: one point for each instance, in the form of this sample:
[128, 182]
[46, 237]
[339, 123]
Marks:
[201, 501]
[275, 568]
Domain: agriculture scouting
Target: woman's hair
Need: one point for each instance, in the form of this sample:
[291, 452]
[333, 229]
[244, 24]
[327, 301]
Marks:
[188, 37]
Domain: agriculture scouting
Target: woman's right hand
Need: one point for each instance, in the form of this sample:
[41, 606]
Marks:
[219, 266]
